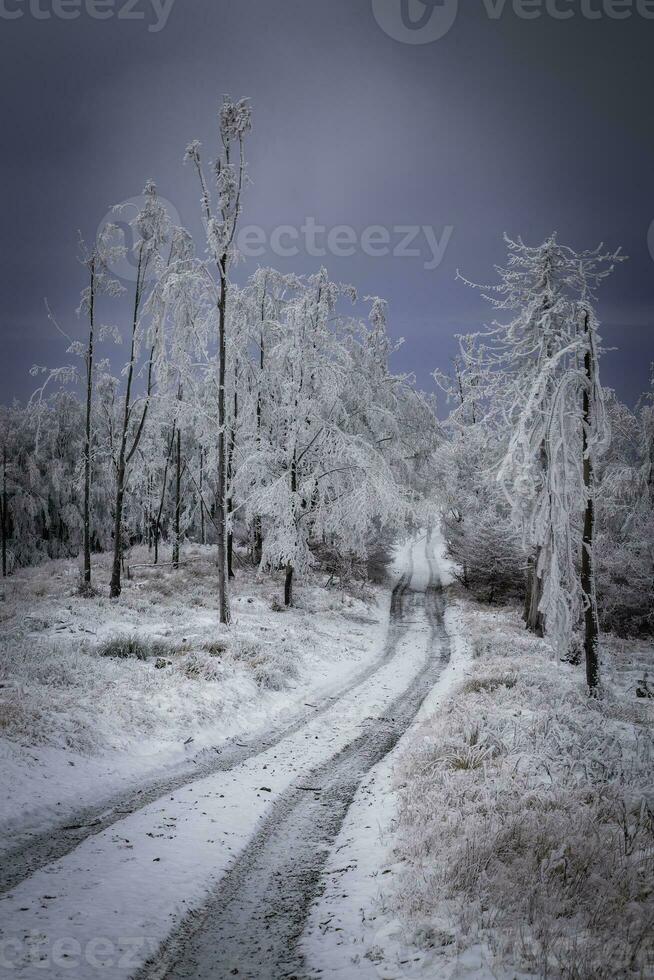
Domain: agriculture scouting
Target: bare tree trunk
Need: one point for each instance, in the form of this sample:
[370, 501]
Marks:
[124, 457]
[4, 512]
[115, 587]
[150, 513]
[532, 614]
[87, 436]
[288, 586]
[178, 499]
[230, 474]
[257, 550]
[258, 533]
[221, 496]
[203, 536]
[162, 500]
[288, 581]
[591, 623]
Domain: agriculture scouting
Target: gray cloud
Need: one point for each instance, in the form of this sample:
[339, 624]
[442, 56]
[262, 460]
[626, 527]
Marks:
[507, 124]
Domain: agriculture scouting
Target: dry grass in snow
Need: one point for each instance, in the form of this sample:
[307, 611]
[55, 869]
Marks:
[526, 818]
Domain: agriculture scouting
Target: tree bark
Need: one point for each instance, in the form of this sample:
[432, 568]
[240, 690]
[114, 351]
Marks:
[288, 586]
[258, 531]
[115, 587]
[591, 622]
[162, 500]
[123, 456]
[178, 499]
[87, 435]
[230, 475]
[203, 535]
[4, 512]
[221, 496]
[532, 614]
[288, 581]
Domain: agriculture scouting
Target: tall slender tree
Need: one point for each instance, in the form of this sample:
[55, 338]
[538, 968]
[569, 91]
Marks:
[221, 220]
[97, 263]
[152, 228]
[591, 399]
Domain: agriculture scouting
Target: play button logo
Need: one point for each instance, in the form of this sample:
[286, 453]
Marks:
[415, 21]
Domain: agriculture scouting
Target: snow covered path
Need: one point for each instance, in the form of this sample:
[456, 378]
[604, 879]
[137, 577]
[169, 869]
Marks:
[252, 924]
[227, 865]
[44, 847]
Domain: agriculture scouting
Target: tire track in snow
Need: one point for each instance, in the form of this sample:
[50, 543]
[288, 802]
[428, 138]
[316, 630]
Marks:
[58, 841]
[251, 926]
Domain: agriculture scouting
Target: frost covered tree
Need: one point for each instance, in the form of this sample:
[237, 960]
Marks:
[476, 519]
[533, 288]
[184, 322]
[544, 379]
[151, 231]
[221, 210]
[42, 505]
[315, 472]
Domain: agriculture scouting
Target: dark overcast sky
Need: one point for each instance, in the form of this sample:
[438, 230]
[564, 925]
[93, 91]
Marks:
[524, 126]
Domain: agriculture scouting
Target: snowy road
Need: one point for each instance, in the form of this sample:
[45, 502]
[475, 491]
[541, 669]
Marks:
[252, 924]
[216, 875]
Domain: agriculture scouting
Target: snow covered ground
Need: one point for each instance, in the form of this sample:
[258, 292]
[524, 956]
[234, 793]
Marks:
[77, 727]
[510, 834]
[105, 907]
[507, 834]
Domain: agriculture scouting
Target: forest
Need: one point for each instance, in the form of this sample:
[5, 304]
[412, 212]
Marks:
[245, 558]
[265, 419]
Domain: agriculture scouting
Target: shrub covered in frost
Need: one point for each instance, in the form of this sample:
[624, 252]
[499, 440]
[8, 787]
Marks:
[273, 667]
[134, 647]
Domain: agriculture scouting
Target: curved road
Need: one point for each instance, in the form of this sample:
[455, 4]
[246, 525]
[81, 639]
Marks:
[251, 925]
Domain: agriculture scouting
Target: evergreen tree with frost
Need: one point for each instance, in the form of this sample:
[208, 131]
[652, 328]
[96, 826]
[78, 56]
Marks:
[544, 382]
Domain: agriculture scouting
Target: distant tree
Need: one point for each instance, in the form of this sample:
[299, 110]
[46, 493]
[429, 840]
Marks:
[625, 521]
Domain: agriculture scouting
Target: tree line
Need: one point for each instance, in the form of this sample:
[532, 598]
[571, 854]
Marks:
[265, 414]
[265, 419]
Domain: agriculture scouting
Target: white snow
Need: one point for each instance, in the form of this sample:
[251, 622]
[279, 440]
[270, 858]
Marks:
[130, 884]
[432, 872]
[76, 728]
